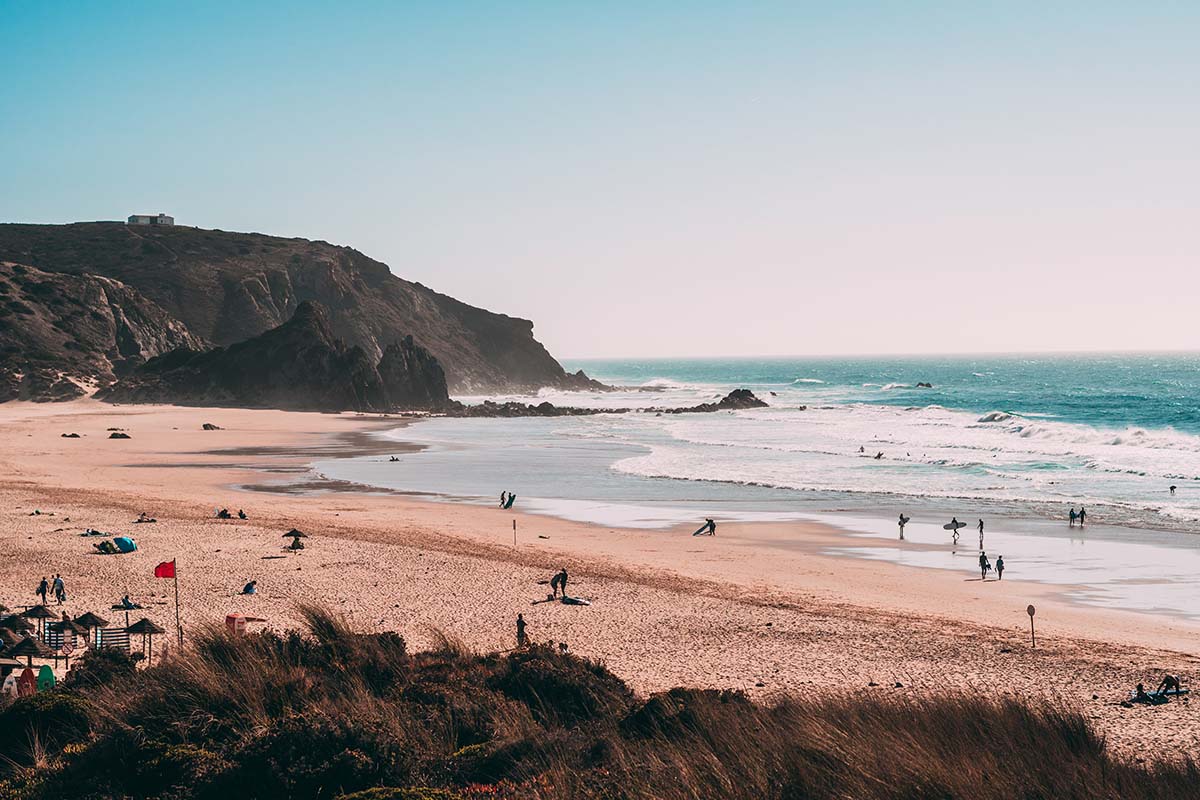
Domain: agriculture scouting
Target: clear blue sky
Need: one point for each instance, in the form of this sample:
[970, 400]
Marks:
[657, 178]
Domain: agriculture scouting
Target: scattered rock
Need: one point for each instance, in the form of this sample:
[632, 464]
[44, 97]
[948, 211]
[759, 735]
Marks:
[923, 385]
[208, 426]
[119, 435]
[897, 685]
[872, 683]
[70, 436]
[1095, 697]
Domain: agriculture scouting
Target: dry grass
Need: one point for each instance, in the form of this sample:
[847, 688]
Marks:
[334, 712]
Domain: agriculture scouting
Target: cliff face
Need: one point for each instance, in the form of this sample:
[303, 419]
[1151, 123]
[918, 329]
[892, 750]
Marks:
[300, 365]
[60, 333]
[227, 287]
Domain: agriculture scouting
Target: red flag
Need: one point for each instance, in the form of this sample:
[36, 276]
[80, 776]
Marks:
[165, 570]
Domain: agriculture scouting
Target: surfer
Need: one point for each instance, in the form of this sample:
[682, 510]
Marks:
[980, 534]
[984, 566]
[879, 455]
[954, 526]
[862, 448]
[1172, 488]
[522, 639]
[1082, 516]
[903, 522]
[1072, 516]
[503, 498]
[999, 568]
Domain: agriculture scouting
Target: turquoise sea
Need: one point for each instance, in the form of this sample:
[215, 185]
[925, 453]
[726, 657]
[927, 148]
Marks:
[1016, 440]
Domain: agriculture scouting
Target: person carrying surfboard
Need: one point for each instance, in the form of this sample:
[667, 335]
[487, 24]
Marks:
[903, 522]
[984, 566]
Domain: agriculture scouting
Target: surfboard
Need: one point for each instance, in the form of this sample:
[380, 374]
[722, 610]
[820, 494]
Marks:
[10, 685]
[950, 526]
[45, 678]
[26, 683]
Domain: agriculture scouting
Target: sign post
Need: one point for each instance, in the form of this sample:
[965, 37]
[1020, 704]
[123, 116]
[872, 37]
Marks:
[1032, 635]
[514, 533]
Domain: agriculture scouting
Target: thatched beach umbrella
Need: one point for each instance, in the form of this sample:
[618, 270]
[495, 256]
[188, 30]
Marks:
[295, 535]
[15, 622]
[41, 614]
[90, 621]
[147, 628]
[29, 648]
[8, 638]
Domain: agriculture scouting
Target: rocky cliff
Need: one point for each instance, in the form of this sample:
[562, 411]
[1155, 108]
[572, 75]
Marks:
[300, 365]
[62, 334]
[227, 287]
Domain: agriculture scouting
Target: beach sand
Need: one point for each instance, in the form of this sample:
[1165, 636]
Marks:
[759, 607]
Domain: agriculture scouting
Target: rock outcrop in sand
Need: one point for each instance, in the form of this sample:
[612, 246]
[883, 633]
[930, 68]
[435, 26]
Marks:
[223, 288]
[300, 365]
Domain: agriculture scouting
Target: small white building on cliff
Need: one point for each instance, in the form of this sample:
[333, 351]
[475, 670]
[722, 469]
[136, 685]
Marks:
[149, 219]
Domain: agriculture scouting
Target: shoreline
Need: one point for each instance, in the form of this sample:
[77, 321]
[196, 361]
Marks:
[722, 612]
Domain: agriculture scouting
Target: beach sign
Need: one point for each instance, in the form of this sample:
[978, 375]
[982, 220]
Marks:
[1030, 610]
[26, 683]
[10, 685]
[45, 678]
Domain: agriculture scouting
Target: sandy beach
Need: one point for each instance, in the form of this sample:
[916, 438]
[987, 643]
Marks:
[760, 607]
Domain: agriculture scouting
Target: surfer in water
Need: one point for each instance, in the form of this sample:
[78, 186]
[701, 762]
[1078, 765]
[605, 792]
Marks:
[980, 534]
[984, 566]
[1172, 488]
[1072, 516]
[1082, 516]
[903, 522]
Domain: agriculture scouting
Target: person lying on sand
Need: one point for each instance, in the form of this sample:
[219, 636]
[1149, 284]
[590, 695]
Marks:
[144, 517]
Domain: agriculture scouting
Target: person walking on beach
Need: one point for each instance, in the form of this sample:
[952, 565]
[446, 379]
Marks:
[60, 590]
[903, 522]
[43, 589]
[522, 639]
[999, 568]
[1072, 516]
[503, 498]
[984, 566]
[954, 526]
[980, 534]
[1082, 516]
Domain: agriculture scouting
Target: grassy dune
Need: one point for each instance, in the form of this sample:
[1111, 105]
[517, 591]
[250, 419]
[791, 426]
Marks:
[333, 713]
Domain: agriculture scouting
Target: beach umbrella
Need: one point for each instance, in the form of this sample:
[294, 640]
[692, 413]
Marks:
[15, 622]
[147, 628]
[29, 648]
[9, 662]
[68, 624]
[90, 621]
[295, 535]
[40, 613]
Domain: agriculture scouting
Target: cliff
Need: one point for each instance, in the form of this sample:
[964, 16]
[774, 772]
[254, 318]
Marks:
[62, 334]
[227, 287]
[301, 365]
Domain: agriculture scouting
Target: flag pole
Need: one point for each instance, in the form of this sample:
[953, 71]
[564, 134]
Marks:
[178, 624]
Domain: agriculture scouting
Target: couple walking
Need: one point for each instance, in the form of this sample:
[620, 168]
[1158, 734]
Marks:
[985, 565]
[57, 586]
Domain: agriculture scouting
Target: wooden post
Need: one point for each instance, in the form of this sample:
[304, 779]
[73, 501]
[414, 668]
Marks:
[178, 623]
[514, 533]
[1032, 635]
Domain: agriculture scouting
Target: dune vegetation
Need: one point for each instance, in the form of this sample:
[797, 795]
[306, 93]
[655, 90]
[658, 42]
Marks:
[331, 713]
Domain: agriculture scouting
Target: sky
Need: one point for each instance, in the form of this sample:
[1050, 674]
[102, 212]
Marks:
[657, 179]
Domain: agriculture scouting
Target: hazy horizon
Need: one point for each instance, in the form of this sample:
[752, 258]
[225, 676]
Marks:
[759, 180]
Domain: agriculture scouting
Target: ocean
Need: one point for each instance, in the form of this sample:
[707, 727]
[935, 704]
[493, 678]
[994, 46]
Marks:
[1018, 440]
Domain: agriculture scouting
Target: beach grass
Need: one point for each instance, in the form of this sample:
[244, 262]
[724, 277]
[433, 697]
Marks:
[330, 712]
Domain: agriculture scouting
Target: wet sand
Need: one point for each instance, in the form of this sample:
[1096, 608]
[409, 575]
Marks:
[761, 607]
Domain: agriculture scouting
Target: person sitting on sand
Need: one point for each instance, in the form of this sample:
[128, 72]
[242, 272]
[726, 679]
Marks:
[522, 639]
[1140, 696]
[250, 588]
[999, 568]
[144, 517]
[1169, 684]
[984, 566]
[903, 522]
[242, 514]
[1072, 517]
[224, 514]
[128, 604]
